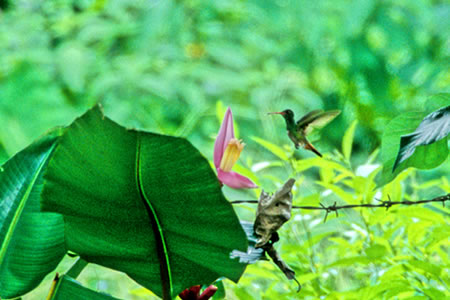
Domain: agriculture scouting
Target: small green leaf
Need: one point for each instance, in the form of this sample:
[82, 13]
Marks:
[77, 268]
[428, 267]
[347, 140]
[220, 293]
[435, 293]
[272, 148]
[433, 128]
[68, 288]
[376, 251]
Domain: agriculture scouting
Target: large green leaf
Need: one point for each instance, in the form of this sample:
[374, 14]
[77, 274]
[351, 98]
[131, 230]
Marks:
[68, 288]
[31, 242]
[425, 157]
[145, 204]
[434, 127]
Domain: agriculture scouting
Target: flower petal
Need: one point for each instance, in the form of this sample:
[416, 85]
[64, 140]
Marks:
[235, 180]
[208, 292]
[190, 293]
[226, 133]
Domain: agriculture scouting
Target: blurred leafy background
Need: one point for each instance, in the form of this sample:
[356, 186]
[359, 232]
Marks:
[173, 67]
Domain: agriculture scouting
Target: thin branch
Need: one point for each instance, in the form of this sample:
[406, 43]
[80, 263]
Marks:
[383, 203]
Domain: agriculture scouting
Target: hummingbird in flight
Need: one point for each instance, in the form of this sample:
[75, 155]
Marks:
[297, 131]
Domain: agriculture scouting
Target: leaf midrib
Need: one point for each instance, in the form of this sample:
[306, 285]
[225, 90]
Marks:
[22, 204]
[166, 277]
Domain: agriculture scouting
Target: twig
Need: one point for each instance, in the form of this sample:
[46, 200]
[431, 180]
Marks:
[383, 203]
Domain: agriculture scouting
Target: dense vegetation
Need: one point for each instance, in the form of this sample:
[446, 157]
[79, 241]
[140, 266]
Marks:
[173, 67]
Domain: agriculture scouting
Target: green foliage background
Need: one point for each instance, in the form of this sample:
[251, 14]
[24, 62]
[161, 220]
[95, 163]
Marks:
[173, 67]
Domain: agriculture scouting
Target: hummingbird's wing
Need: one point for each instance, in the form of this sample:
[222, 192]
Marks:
[316, 119]
[309, 117]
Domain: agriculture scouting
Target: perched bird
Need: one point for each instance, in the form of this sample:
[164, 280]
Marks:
[297, 131]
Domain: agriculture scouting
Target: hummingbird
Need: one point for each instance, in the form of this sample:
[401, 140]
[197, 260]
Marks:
[297, 131]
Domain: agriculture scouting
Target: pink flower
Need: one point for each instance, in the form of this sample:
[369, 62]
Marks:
[226, 152]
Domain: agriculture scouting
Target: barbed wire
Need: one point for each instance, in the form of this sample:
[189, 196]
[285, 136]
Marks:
[335, 208]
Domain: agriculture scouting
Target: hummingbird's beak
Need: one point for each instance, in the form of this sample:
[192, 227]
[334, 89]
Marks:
[276, 113]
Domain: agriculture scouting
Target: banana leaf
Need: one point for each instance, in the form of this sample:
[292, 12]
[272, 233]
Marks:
[145, 204]
[31, 242]
[66, 287]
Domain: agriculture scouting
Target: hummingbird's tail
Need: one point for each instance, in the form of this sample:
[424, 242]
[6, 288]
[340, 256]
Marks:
[309, 146]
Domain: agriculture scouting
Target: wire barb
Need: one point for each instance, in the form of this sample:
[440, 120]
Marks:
[383, 203]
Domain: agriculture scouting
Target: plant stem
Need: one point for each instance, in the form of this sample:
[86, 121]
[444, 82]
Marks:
[53, 287]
